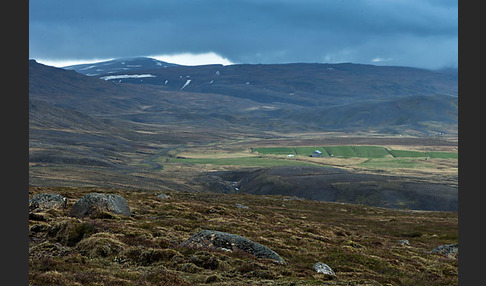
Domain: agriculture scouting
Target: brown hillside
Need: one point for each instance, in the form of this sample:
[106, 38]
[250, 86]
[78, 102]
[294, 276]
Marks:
[362, 245]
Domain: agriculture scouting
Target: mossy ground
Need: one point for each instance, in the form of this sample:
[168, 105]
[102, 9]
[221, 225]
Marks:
[359, 243]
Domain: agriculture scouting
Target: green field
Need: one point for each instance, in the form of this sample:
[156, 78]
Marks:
[341, 151]
[307, 151]
[406, 153]
[442, 155]
[377, 157]
[371, 151]
[354, 151]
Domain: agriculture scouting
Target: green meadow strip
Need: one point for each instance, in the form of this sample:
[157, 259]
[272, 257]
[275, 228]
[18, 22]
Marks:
[341, 151]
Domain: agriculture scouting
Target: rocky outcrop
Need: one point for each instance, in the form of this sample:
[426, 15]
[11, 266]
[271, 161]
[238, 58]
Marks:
[47, 201]
[241, 206]
[448, 250]
[404, 242]
[163, 196]
[98, 203]
[320, 267]
[226, 241]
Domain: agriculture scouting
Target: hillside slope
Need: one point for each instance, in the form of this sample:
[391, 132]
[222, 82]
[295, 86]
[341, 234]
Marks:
[119, 65]
[362, 245]
[303, 84]
[281, 98]
[337, 185]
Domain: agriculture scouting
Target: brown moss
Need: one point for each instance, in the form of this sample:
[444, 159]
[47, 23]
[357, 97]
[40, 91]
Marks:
[70, 231]
[149, 256]
[50, 278]
[360, 244]
[100, 245]
[213, 279]
[162, 276]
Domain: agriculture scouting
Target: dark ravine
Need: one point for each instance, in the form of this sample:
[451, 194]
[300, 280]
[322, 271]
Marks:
[336, 185]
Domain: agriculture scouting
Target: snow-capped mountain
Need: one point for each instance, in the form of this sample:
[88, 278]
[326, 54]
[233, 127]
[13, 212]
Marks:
[119, 65]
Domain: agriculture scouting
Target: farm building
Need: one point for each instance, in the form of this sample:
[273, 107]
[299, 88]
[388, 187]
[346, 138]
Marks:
[316, 153]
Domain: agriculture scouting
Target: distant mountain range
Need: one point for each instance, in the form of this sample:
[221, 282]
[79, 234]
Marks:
[284, 97]
[296, 96]
[119, 65]
[303, 84]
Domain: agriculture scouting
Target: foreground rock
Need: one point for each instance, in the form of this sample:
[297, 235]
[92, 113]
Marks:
[448, 250]
[320, 267]
[241, 206]
[47, 201]
[96, 203]
[227, 241]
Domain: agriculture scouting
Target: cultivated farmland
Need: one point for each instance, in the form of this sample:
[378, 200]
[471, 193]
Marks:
[348, 151]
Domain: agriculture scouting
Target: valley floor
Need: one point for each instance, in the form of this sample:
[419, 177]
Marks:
[428, 163]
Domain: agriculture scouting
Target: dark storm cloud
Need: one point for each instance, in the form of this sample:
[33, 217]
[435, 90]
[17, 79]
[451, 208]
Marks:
[414, 33]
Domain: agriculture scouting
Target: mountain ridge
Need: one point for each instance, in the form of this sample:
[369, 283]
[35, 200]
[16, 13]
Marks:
[321, 96]
[117, 65]
[310, 79]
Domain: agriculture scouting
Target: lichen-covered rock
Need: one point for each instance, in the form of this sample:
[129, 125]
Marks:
[404, 242]
[98, 203]
[163, 196]
[47, 201]
[241, 206]
[222, 240]
[320, 267]
[448, 250]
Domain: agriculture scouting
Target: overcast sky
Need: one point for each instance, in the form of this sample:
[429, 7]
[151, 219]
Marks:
[417, 33]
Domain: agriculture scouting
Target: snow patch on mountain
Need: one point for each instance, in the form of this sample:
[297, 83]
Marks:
[186, 84]
[122, 76]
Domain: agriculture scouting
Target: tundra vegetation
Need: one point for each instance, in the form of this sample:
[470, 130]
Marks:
[363, 245]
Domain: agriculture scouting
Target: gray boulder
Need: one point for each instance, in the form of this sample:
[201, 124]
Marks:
[47, 201]
[320, 267]
[404, 242]
[241, 206]
[227, 241]
[97, 203]
[448, 250]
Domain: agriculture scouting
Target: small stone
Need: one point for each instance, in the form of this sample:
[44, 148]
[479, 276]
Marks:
[320, 267]
[404, 242]
[163, 196]
[241, 206]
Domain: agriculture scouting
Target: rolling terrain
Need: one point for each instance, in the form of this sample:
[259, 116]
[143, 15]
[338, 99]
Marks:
[362, 245]
[119, 65]
[318, 96]
[133, 128]
[227, 148]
